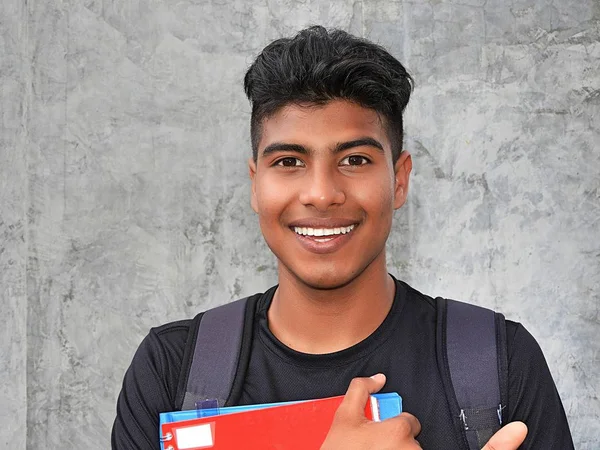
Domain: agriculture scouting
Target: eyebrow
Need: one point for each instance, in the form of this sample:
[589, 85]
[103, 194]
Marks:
[361, 142]
[277, 147]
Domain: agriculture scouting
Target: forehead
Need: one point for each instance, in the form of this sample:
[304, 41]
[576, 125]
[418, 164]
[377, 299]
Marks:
[322, 125]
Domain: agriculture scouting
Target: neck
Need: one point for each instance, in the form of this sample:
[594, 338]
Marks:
[318, 321]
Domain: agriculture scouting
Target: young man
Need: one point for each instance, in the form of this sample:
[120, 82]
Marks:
[327, 173]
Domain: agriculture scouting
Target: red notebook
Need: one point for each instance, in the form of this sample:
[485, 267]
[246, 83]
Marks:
[296, 426]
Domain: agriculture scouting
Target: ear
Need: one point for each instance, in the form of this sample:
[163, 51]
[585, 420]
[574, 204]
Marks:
[252, 173]
[402, 170]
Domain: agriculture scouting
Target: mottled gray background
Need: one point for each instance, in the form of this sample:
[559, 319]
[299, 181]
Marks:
[124, 192]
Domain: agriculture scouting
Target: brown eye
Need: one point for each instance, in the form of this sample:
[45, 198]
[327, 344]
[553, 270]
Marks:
[289, 162]
[354, 160]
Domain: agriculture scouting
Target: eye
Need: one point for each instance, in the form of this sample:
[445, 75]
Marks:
[354, 160]
[289, 162]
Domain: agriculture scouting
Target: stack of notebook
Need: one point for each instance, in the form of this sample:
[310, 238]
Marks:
[299, 425]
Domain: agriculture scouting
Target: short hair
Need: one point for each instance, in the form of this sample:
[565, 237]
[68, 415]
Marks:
[317, 66]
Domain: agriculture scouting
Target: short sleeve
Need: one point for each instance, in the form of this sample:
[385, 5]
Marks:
[149, 388]
[533, 398]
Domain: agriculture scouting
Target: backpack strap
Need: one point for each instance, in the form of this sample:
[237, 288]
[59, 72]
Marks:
[472, 357]
[217, 354]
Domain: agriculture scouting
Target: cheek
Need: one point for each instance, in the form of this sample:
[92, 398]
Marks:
[377, 198]
[270, 199]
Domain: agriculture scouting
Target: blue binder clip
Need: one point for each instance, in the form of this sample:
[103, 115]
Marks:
[208, 407]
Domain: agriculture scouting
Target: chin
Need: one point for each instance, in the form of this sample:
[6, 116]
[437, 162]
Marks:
[326, 280]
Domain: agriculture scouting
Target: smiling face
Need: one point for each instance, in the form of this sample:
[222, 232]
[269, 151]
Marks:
[324, 187]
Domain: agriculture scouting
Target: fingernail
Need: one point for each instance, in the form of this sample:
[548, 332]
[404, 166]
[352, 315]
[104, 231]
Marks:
[378, 377]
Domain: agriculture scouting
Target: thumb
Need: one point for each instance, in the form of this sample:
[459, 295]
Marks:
[508, 437]
[358, 394]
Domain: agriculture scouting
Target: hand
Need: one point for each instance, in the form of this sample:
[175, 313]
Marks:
[508, 437]
[351, 430]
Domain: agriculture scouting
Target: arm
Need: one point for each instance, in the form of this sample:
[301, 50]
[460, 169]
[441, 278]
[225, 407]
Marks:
[533, 397]
[148, 389]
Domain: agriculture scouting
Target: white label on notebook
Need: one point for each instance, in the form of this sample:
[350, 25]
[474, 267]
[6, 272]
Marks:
[194, 437]
[375, 409]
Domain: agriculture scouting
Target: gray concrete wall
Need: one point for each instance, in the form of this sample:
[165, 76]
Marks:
[13, 224]
[124, 193]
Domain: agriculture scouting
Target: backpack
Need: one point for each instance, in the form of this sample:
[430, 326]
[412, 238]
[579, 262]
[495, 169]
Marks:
[471, 356]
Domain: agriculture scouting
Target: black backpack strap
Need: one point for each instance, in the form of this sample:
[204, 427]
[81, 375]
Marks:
[217, 354]
[472, 359]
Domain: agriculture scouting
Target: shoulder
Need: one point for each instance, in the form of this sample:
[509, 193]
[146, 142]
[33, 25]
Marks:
[532, 394]
[162, 348]
[526, 361]
[415, 299]
[168, 339]
[159, 357]
[525, 358]
[518, 339]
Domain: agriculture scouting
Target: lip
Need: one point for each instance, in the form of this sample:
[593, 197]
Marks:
[324, 244]
[322, 223]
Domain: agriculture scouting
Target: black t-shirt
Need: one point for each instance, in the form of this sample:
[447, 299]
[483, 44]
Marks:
[403, 348]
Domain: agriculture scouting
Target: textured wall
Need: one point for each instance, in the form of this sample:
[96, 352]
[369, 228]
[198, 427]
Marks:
[124, 193]
[505, 206]
[13, 250]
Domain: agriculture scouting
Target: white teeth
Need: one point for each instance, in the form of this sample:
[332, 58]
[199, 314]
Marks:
[305, 231]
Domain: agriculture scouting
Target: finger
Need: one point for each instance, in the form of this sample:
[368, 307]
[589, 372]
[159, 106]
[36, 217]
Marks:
[508, 437]
[358, 393]
[405, 425]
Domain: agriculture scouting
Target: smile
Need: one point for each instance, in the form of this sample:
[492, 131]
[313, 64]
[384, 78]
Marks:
[305, 231]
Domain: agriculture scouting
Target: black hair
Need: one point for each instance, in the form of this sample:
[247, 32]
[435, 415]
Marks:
[317, 66]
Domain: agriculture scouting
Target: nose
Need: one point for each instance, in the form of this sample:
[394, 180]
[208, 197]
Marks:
[322, 189]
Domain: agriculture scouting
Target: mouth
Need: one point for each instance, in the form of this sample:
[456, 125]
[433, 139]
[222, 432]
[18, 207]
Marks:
[323, 234]
[323, 240]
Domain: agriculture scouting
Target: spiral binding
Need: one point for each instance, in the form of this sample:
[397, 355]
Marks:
[166, 438]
